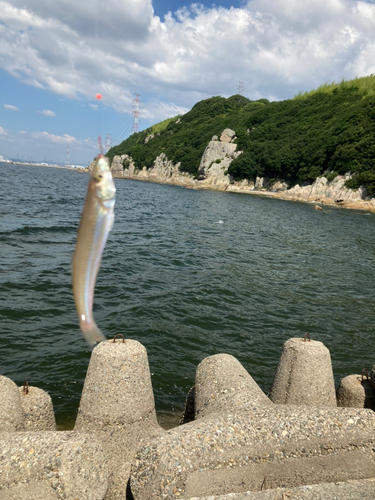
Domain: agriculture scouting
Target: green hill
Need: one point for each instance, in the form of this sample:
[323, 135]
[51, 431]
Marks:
[328, 131]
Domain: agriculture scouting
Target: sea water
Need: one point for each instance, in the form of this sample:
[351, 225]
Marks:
[187, 273]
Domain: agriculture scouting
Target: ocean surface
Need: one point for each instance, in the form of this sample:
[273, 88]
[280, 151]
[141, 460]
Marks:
[188, 273]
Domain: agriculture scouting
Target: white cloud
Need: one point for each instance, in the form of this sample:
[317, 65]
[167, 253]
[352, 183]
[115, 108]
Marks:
[47, 112]
[276, 47]
[57, 139]
[10, 107]
[41, 143]
[94, 106]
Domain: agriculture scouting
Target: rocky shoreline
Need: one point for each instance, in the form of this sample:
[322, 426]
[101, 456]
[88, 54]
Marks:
[213, 174]
[302, 441]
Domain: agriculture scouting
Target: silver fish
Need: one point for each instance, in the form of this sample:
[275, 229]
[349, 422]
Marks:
[96, 222]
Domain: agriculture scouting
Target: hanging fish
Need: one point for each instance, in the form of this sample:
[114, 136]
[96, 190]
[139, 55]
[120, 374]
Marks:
[96, 222]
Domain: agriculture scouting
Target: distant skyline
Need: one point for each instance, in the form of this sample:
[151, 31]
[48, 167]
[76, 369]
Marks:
[56, 56]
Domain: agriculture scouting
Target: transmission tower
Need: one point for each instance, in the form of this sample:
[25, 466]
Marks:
[108, 143]
[240, 88]
[67, 159]
[136, 111]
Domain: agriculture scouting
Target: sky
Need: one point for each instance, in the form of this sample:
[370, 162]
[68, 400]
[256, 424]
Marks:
[55, 57]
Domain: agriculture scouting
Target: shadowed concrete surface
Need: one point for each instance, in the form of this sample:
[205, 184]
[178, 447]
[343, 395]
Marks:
[72, 464]
[10, 406]
[118, 406]
[304, 375]
[353, 392]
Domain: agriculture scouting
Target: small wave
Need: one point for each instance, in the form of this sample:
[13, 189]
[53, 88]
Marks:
[29, 230]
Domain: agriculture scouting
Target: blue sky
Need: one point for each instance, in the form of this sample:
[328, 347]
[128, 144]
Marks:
[55, 57]
[161, 7]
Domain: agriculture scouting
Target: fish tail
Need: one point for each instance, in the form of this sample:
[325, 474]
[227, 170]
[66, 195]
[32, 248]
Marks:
[92, 333]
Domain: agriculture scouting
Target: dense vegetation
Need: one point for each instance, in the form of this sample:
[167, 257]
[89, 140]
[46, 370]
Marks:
[328, 131]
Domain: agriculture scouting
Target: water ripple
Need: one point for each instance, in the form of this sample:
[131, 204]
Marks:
[180, 282]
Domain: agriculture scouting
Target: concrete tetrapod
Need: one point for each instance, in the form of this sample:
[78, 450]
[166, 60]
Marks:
[348, 490]
[222, 384]
[72, 465]
[304, 375]
[37, 410]
[289, 445]
[38, 490]
[118, 406]
[10, 406]
[353, 392]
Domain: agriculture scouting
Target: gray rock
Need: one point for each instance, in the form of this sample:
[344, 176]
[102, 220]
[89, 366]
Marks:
[279, 186]
[261, 182]
[149, 137]
[321, 189]
[304, 375]
[353, 392]
[122, 166]
[347, 490]
[117, 405]
[290, 446]
[227, 135]
[222, 384]
[216, 152]
[71, 464]
[37, 410]
[10, 406]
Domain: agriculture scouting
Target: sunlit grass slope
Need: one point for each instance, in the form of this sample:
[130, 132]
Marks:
[364, 85]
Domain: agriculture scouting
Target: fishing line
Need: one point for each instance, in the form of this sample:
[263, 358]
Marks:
[99, 96]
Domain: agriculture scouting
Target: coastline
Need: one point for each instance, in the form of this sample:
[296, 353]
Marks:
[246, 188]
[43, 165]
[181, 179]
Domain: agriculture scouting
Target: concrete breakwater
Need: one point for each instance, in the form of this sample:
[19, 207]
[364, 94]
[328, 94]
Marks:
[236, 442]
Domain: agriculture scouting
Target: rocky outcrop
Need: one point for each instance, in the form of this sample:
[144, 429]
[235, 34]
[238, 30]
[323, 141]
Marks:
[321, 188]
[213, 174]
[212, 170]
[330, 193]
[228, 135]
[217, 157]
[163, 171]
[149, 137]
